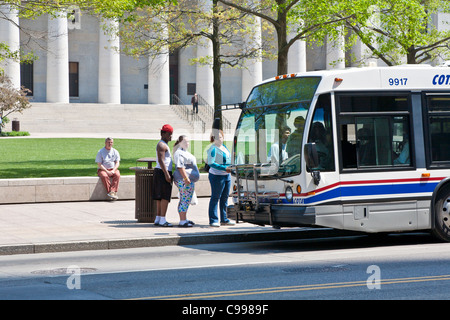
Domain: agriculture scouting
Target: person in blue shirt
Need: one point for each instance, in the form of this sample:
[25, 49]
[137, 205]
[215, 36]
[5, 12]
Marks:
[219, 161]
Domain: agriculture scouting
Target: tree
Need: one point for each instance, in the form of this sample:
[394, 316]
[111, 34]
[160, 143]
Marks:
[159, 30]
[32, 9]
[312, 19]
[395, 31]
[11, 99]
[118, 9]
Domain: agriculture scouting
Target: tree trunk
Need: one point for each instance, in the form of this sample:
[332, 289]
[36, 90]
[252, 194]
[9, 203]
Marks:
[217, 85]
[411, 55]
[283, 49]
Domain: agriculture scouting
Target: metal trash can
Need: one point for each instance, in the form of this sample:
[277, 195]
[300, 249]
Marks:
[15, 125]
[145, 206]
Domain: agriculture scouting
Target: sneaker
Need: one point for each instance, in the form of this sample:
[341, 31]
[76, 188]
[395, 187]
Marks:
[113, 195]
[228, 223]
[214, 224]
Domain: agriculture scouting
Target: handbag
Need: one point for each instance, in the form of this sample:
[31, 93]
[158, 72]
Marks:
[194, 200]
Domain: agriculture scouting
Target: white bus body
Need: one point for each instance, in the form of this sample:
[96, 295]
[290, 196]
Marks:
[358, 127]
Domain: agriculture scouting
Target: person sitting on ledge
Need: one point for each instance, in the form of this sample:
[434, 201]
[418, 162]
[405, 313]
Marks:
[108, 161]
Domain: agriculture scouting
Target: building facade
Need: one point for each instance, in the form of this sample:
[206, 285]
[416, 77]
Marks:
[77, 63]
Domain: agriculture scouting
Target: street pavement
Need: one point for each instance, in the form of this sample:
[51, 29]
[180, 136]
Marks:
[98, 225]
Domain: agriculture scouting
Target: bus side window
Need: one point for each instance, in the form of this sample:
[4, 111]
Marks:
[374, 130]
[401, 141]
[375, 143]
[366, 147]
[439, 129]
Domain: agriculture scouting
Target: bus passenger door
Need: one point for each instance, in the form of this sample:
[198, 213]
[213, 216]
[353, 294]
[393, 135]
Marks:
[325, 195]
[321, 134]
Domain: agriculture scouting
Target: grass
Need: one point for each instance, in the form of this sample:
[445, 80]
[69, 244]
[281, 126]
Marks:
[73, 157]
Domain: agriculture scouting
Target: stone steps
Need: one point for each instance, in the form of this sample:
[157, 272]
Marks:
[43, 117]
[88, 117]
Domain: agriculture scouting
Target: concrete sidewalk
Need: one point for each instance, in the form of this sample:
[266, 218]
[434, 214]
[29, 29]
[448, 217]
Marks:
[98, 225]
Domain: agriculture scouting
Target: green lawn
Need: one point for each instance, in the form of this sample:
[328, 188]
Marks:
[72, 157]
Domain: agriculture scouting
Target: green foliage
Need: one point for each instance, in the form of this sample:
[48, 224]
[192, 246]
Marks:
[401, 31]
[293, 20]
[107, 8]
[31, 9]
[14, 134]
[4, 120]
[156, 30]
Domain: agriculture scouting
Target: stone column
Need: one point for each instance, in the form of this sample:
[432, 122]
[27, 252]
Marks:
[441, 21]
[297, 56]
[159, 75]
[108, 64]
[335, 57]
[362, 56]
[58, 59]
[9, 34]
[204, 72]
[252, 73]
[159, 80]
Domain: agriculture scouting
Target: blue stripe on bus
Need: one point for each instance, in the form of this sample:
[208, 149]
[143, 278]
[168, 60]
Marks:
[372, 190]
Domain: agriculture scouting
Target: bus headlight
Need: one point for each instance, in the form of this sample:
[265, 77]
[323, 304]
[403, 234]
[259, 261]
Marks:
[289, 194]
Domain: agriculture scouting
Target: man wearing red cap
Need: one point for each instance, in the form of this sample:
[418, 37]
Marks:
[162, 178]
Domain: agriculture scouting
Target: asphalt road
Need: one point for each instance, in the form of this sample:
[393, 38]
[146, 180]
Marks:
[352, 268]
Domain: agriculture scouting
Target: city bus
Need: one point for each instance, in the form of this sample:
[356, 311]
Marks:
[361, 149]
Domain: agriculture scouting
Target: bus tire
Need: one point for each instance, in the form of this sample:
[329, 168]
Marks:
[441, 214]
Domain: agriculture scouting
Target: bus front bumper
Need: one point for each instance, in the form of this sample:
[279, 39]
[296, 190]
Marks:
[280, 215]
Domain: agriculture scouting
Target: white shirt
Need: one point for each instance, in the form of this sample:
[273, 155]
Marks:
[184, 159]
[107, 158]
[167, 158]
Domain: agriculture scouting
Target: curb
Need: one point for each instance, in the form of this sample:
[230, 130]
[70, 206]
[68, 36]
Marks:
[203, 238]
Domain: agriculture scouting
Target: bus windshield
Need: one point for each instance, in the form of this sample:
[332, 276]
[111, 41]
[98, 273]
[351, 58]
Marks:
[270, 130]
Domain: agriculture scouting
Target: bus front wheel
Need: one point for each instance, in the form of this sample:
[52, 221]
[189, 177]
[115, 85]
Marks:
[441, 223]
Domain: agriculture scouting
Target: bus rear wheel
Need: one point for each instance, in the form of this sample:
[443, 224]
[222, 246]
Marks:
[441, 217]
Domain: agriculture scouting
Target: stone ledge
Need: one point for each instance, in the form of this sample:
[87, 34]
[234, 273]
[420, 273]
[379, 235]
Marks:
[76, 189]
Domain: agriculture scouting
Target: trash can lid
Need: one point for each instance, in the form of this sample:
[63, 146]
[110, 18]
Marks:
[149, 161]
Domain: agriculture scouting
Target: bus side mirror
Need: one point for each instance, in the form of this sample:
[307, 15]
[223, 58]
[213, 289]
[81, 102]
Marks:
[312, 161]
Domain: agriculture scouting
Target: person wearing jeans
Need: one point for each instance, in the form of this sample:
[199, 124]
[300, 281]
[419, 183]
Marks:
[219, 160]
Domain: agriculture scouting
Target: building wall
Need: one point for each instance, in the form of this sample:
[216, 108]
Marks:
[133, 80]
[36, 42]
[83, 48]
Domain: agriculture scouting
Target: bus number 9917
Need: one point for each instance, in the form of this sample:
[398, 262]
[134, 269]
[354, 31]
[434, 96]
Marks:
[398, 81]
